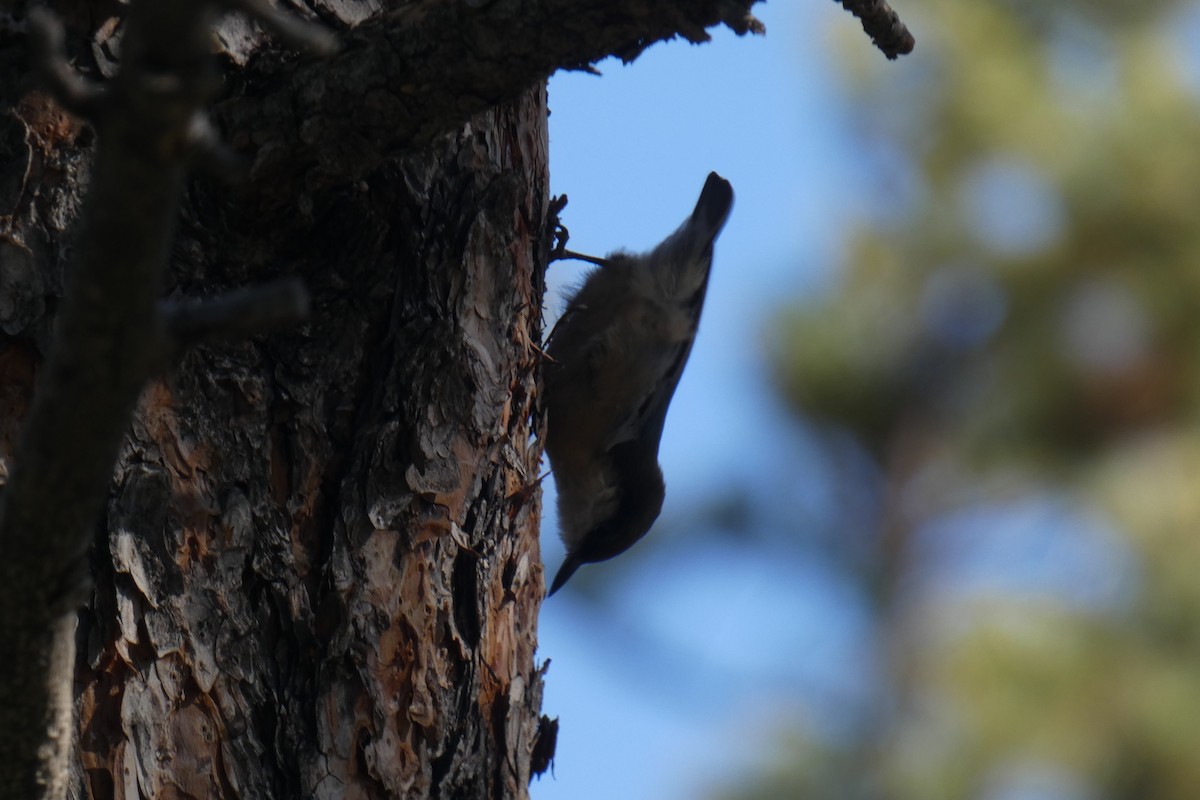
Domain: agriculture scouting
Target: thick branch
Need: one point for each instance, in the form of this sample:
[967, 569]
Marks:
[406, 77]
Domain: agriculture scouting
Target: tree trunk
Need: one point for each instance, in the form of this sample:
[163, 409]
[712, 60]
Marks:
[317, 573]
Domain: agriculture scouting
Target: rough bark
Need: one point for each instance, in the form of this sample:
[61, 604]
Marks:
[317, 577]
[317, 574]
[109, 335]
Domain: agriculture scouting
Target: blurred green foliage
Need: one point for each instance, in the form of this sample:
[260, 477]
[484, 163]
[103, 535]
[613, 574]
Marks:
[1023, 301]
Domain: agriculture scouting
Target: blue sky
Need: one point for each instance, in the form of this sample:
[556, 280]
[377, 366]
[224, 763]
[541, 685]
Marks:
[679, 670]
[703, 649]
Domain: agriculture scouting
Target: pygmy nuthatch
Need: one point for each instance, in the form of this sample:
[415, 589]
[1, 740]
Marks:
[615, 360]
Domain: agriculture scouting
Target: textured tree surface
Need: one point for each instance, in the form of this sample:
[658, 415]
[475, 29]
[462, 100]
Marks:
[310, 568]
[318, 575]
[317, 571]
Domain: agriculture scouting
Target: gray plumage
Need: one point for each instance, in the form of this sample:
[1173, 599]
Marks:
[615, 360]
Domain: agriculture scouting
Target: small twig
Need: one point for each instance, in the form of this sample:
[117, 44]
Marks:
[72, 92]
[555, 229]
[523, 493]
[542, 354]
[289, 28]
[883, 25]
[240, 313]
[563, 253]
[559, 236]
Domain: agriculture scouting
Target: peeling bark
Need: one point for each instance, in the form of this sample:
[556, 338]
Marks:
[311, 579]
[312, 582]
[317, 571]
